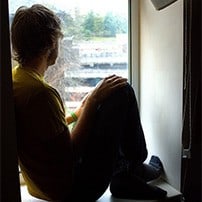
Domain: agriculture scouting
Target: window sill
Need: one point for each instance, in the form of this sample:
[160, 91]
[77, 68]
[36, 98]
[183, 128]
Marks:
[172, 196]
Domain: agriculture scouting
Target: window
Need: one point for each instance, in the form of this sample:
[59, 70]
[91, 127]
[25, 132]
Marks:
[95, 44]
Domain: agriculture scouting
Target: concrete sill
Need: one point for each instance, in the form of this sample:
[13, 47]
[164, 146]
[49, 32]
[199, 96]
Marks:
[172, 196]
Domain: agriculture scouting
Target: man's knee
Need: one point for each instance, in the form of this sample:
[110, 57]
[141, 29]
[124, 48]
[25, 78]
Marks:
[125, 94]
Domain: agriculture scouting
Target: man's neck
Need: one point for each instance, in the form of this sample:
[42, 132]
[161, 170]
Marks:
[39, 65]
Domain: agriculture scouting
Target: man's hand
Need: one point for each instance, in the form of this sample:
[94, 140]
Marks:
[101, 91]
[105, 87]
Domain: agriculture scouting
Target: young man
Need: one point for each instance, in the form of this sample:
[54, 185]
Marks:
[107, 144]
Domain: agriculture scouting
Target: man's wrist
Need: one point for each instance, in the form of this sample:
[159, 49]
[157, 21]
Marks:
[74, 116]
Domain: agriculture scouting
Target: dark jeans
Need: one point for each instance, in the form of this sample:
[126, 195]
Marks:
[117, 134]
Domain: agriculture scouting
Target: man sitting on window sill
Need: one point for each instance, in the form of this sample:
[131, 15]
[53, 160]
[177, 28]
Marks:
[106, 145]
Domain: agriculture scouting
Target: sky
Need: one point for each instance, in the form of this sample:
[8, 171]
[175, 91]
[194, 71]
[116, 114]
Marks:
[99, 6]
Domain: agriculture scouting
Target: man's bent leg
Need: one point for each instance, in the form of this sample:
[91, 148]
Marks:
[133, 143]
[94, 171]
[125, 183]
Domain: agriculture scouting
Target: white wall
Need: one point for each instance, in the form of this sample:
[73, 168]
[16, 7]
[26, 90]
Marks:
[161, 78]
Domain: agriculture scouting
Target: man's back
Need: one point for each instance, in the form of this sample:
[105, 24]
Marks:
[43, 136]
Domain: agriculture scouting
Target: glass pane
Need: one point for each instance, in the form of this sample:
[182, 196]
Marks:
[95, 44]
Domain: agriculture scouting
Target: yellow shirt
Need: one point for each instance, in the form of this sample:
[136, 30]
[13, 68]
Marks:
[44, 148]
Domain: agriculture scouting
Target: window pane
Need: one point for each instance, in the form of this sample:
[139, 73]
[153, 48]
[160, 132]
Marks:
[95, 44]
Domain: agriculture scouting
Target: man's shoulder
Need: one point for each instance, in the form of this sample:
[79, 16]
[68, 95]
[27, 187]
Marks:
[27, 88]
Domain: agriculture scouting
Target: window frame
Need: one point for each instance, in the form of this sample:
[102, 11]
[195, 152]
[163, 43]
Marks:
[134, 46]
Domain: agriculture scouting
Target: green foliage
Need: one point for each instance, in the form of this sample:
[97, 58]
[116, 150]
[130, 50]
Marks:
[93, 25]
[110, 25]
[83, 27]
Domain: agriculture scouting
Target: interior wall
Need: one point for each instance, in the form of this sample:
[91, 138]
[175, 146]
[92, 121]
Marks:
[161, 84]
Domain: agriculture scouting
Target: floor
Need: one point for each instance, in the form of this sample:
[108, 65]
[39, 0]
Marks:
[172, 196]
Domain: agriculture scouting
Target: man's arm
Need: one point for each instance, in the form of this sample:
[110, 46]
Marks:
[80, 132]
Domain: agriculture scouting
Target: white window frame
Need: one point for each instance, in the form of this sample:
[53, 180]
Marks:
[134, 46]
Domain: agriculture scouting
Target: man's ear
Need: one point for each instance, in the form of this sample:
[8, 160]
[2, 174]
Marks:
[52, 54]
[55, 44]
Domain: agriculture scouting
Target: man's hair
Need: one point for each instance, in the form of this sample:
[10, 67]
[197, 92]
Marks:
[34, 30]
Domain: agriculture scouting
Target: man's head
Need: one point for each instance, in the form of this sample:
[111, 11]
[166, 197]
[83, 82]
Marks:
[34, 32]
